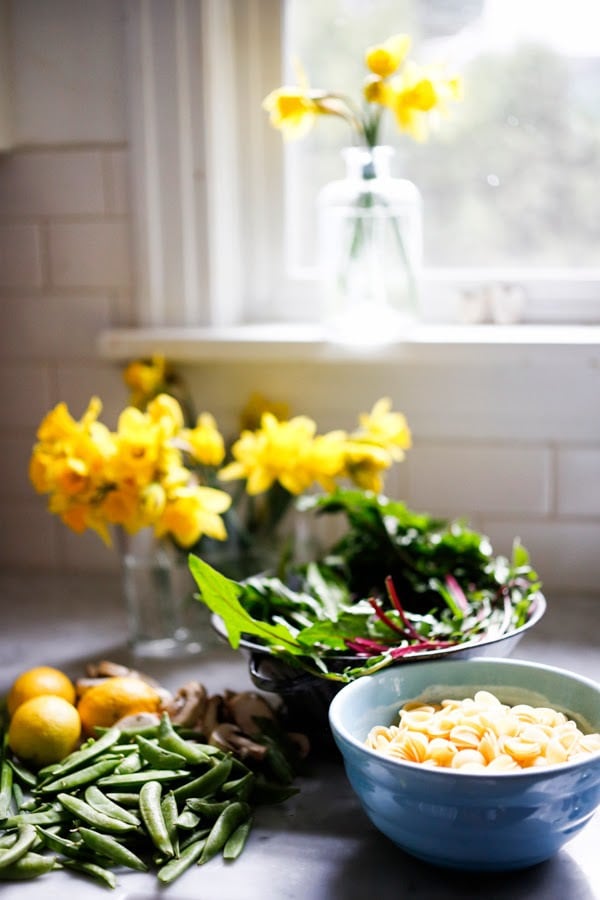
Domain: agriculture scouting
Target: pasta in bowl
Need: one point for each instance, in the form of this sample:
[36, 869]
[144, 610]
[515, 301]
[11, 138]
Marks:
[492, 765]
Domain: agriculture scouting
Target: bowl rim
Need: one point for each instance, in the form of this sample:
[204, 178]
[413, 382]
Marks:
[532, 774]
[538, 608]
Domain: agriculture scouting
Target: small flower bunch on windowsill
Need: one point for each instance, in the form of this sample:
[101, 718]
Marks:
[274, 460]
[415, 95]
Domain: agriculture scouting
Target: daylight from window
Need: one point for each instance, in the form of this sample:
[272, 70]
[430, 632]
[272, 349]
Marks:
[511, 179]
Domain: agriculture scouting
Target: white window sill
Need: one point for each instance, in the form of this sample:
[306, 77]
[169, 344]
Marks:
[304, 343]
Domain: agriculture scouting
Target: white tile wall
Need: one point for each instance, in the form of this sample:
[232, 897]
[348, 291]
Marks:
[514, 449]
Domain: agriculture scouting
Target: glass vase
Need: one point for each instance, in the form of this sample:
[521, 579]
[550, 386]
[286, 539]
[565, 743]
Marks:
[370, 240]
[164, 619]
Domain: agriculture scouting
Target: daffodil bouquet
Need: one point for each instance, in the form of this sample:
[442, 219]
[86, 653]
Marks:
[275, 459]
[140, 476]
[414, 94]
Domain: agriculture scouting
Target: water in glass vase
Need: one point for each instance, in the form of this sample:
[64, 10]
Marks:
[370, 240]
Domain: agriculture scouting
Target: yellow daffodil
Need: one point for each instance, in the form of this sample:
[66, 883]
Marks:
[193, 512]
[365, 464]
[393, 82]
[256, 405]
[385, 428]
[385, 59]
[145, 379]
[205, 441]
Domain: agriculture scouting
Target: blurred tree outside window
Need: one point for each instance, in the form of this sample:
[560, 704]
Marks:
[511, 180]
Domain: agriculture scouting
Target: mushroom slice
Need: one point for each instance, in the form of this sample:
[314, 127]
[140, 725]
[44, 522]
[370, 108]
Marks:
[187, 705]
[137, 721]
[247, 706]
[228, 737]
[301, 743]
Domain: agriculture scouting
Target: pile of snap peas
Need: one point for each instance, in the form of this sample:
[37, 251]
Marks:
[151, 799]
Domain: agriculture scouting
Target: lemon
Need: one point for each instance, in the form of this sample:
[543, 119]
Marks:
[38, 681]
[104, 704]
[44, 730]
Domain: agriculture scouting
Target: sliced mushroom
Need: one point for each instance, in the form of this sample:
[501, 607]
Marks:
[138, 720]
[211, 716]
[228, 737]
[247, 706]
[188, 704]
[107, 669]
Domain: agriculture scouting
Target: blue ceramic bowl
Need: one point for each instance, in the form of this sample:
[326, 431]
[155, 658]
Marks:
[462, 820]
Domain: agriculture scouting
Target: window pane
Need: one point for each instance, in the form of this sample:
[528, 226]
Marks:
[511, 177]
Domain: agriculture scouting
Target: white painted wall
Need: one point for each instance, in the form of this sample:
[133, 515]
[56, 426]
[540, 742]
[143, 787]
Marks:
[515, 448]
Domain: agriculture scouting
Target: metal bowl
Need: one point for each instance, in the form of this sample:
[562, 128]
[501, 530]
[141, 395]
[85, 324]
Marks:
[307, 696]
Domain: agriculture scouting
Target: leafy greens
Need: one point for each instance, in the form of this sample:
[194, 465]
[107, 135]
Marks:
[395, 583]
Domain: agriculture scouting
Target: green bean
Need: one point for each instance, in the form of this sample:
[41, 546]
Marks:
[25, 839]
[91, 816]
[79, 777]
[59, 844]
[176, 866]
[223, 828]
[170, 740]
[236, 843]
[158, 756]
[153, 818]
[137, 779]
[108, 846]
[29, 866]
[84, 755]
[169, 810]
[205, 784]
[93, 870]
[98, 800]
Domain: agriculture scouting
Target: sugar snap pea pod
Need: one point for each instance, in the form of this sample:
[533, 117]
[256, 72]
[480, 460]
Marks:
[93, 870]
[193, 836]
[236, 843]
[59, 844]
[24, 775]
[98, 800]
[84, 755]
[187, 819]
[170, 740]
[177, 866]
[223, 828]
[208, 810]
[130, 799]
[239, 788]
[29, 866]
[79, 777]
[26, 837]
[153, 818]
[6, 780]
[82, 810]
[170, 813]
[137, 779]
[278, 765]
[7, 839]
[265, 792]
[158, 756]
[44, 815]
[131, 763]
[205, 784]
[108, 846]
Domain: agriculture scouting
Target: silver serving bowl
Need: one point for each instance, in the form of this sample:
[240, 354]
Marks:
[307, 696]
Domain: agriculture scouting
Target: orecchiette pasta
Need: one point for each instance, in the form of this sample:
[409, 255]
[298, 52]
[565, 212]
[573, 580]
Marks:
[482, 734]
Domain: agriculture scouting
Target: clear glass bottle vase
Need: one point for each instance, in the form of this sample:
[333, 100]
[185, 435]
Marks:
[370, 240]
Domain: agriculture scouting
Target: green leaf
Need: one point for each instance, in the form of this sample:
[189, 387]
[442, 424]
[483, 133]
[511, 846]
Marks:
[221, 594]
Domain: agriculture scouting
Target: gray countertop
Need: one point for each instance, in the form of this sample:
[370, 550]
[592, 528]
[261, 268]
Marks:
[319, 845]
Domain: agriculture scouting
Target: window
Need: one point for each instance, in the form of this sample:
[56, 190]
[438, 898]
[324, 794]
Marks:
[509, 182]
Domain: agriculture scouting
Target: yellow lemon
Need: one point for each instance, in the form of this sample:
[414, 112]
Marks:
[44, 730]
[105, 703]
[37, 681]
